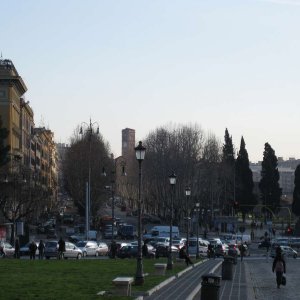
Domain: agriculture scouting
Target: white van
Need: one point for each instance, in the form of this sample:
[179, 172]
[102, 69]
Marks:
[202, 244]
[164, 231]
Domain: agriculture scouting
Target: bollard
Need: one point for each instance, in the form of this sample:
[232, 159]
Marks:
[210, 287]
[227, 268]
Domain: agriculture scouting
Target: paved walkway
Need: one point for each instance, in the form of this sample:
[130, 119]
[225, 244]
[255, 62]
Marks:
[252, 280]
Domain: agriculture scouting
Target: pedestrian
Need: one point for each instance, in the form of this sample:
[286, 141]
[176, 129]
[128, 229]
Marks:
[243, 251]
[113, 249]
[252, 235]
[183, 255]
[41, 248]
[32, 249]
[261, 225]
[279, 266]
[145, 250]
[61, 248]
[17, 248]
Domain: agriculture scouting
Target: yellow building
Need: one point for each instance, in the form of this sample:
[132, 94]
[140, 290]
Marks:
[12, 88]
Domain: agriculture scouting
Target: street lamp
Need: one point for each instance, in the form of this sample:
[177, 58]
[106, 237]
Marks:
[172, 179]
[90, 131]
[140, 151]
[188, 194]
[198, 217]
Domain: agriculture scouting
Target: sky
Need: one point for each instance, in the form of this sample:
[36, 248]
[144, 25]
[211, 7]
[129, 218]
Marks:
[143, 64]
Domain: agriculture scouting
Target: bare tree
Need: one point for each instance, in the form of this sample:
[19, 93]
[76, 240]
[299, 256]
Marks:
[87, 153]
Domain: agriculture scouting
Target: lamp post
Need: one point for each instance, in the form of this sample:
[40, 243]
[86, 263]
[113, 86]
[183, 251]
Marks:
[89, 131]
[140, 151]
[198, 217]
[187, 194]
[172, 179]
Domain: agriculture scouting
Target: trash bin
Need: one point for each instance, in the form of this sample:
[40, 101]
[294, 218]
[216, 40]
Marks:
[227, 268]
[210, 287]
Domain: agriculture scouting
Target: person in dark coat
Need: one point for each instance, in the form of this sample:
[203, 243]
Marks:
[279, 266]
[41, 248]
[145, 250]
[61, 248]
[32, 249]
[113, 249]
[183, 255]
[17, 249]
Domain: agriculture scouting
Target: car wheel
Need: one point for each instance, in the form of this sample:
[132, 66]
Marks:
[96, 254]
[295, 255]
[79, 256]
[84, 254]
[47, 257]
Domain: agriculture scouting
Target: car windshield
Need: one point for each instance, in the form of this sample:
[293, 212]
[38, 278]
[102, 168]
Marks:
[51, 244]
[81, 244]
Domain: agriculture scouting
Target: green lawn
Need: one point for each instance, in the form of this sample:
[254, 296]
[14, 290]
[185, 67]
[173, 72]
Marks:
[71, 279]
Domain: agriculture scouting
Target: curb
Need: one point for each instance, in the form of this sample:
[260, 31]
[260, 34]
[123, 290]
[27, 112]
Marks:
[170, 279]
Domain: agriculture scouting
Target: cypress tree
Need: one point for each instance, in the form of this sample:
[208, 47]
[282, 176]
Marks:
[244, 181]
[270, 190]
[296, 193]
[228, 164]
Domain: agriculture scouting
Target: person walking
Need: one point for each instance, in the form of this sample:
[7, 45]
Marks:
[17, 248]
[243, 251]
[113, 249]
[41, 248]
[183, 255]
[32, 249]
[145, 250]
[61, 248]
[279, 266]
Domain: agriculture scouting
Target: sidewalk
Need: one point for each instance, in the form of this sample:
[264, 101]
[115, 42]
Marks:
[253, 279]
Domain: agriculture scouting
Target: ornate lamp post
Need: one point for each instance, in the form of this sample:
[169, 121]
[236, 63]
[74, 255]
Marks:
[90, 130]
[140, 151]
[187, 194]
[172, 179]
[197, 210]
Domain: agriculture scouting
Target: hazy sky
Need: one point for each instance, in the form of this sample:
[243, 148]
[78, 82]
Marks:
[143, 64]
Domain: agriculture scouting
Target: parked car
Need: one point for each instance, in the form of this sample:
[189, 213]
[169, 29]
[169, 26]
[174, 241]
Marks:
[6, 249]
[162, 250]
[102, 249]
[24, 250]
[88, 248]
[130, 251]
[72, 251]
[264, 244]
[221, 249]
[179, 243]
[287, 251]
[233, 250]
[202, 246]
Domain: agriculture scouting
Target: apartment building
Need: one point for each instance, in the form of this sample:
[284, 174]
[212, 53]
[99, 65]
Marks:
[32, 150]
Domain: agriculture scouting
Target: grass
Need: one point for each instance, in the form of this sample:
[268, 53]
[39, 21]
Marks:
[71, 279]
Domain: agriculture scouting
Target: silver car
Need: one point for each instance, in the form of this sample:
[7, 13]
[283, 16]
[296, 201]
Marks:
[6, 249]
[88, 248]
[72, 251]
[286, 251]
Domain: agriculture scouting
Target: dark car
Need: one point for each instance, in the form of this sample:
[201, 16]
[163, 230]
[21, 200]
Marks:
[130, 251]
[264, 244]
[162, 250]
